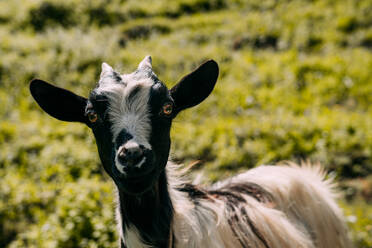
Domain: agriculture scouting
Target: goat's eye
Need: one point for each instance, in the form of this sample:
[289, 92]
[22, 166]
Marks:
[167, 109]
[92, 116]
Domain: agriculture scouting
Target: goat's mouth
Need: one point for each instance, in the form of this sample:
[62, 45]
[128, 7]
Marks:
[136, 183]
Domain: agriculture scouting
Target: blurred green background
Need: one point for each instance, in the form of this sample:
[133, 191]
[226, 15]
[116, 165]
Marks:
[295, 83]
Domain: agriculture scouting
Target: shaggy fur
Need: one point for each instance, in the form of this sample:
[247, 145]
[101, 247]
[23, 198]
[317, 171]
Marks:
[269, 206]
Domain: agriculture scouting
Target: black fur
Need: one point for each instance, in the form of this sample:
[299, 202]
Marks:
[133, 93]
[196, 86]
[251, 189]
[195, 193]
[151, 213]
[232, 195]
[59, 103]
[116, 76]
[123, 137]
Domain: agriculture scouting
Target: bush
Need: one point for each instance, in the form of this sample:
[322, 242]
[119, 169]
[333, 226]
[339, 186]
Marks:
[291, 87]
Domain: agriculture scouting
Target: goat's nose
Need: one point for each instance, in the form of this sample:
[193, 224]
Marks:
[130, 155]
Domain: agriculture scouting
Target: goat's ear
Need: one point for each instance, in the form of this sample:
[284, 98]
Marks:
[195, 87]
[59, 103]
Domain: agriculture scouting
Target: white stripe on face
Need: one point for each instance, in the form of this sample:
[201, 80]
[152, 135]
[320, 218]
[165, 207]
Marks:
[128, 104]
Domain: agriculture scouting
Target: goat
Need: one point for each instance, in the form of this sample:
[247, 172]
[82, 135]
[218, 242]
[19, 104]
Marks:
[131, 116]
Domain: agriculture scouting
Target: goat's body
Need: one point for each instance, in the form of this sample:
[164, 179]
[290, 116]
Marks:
[269, 206]
[131, 116]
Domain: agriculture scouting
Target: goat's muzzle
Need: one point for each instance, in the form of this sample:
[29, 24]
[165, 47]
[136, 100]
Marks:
[134, 171]
[133, 161]
[131, 156]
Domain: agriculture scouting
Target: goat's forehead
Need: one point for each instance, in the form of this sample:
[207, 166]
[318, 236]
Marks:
[129, 98]
[114, 82]
[135, 86]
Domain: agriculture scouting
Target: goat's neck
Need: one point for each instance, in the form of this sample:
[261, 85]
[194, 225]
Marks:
[150, 213]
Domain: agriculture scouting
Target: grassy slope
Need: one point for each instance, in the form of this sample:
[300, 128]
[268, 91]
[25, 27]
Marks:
[295, 83]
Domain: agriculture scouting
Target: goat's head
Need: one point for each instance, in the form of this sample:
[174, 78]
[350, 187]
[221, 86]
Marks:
[130, 116]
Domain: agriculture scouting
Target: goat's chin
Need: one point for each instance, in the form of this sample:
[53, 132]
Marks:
[135, 187]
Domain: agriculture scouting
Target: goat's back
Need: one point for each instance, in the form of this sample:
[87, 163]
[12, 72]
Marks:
[305, 212]
[269, 206]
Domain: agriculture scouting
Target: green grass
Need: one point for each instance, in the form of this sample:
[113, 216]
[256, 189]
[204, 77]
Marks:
[295, 83]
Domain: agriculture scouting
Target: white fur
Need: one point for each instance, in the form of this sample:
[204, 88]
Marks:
[106, 69]
[118, 165]
[119, 222]
[132, 116]
[132, 238]
[146, 63]
[303, 213]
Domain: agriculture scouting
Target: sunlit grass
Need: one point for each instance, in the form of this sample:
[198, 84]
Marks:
[295, 83]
